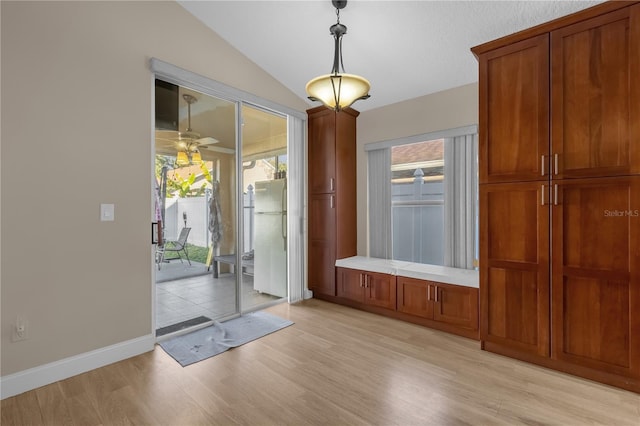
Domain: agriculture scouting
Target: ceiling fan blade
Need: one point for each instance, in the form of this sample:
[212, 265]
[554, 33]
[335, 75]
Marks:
[165, 142]
[218, 149]
[207, 141]
[167, 134]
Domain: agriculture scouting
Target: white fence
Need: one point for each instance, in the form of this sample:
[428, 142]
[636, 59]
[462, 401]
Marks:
[418, 221]
[196, 212]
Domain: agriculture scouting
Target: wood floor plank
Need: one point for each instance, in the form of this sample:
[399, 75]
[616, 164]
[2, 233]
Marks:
[334, 366]
[53, 406]
[21, 410]
[82, 410]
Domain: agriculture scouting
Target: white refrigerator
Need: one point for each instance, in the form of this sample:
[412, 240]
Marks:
[270, 237]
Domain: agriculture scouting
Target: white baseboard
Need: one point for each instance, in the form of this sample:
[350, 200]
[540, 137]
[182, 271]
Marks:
[33, 378]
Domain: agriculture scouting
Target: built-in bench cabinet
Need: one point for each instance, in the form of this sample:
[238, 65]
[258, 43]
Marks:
[401, 290]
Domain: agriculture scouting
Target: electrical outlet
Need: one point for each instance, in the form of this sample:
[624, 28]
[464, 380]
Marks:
[20, 329]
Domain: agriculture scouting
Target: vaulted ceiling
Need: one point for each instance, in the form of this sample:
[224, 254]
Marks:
[406, 49]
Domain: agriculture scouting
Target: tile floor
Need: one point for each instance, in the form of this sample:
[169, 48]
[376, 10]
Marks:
[174, 270]
[182, 299]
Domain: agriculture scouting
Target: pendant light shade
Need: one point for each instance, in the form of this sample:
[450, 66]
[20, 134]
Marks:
[338, 90]
[196, 158]
[182, 159]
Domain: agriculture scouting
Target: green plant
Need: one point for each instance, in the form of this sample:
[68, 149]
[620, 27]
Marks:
[162, 161]
[197, 253]
[183, 187]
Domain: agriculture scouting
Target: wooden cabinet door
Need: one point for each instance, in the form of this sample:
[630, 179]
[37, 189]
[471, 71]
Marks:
[596, 274]
[351, 284]
[595, 96]
[514, 266]
[345, 184]
[322, 243]
[322, 150]
[414, 297]
[456, 305]
[514, 112]
[380, 290]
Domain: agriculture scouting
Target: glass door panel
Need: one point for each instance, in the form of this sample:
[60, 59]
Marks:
[264, 206]
[196, 188]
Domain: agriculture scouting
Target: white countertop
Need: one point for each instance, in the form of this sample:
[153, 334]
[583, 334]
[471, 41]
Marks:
[372, 264]
[421, 271]
[443, 274]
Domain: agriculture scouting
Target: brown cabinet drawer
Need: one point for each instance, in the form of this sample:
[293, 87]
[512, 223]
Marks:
[447, 303]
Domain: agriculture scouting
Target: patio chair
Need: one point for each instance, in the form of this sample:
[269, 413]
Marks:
[177, 246]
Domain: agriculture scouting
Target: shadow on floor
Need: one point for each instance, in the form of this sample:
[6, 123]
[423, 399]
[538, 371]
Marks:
[175, 270]
[185, 299]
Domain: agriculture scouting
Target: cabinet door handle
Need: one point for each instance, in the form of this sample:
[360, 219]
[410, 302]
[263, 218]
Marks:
[366, 281]
[555, 163]
[361, 285]
[542, 196]
[543, 170]
[555, 194]
[332, 201]
[436, 300]
[331, 184]
[428, 293]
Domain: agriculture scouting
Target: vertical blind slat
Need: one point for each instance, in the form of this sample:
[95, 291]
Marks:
[380, 232]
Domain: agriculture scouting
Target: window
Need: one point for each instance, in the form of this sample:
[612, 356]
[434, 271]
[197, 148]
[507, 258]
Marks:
[417, 201]
[423, 193]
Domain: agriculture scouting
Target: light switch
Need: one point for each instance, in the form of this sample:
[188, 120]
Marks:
[107, 212]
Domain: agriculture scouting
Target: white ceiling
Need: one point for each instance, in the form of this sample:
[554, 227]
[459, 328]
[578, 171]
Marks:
[406, 49]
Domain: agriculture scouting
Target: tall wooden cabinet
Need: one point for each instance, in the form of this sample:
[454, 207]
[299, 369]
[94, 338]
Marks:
[560, 194]
[331, 194]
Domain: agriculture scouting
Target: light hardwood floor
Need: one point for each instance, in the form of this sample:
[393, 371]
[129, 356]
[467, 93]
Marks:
[334, 366]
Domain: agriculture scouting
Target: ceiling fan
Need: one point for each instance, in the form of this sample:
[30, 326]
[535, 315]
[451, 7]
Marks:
[188, 143]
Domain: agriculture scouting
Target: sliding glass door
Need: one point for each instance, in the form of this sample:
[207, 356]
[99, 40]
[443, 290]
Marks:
[224, 216]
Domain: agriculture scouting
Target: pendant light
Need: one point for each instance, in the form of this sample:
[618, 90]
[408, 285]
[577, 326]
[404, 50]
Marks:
[338, 90]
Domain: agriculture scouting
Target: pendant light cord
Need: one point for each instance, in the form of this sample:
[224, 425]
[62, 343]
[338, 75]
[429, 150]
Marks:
[338, 30]
[340, 39]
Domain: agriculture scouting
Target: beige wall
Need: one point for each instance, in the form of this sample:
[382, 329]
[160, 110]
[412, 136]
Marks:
[439, 111]
[76, 132]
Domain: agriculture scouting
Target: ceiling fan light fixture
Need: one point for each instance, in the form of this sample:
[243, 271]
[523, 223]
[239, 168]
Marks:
[338, 90]
[188, 142]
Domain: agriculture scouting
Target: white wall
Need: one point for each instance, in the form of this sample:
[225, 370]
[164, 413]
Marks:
[76, 130]
[439, 111]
